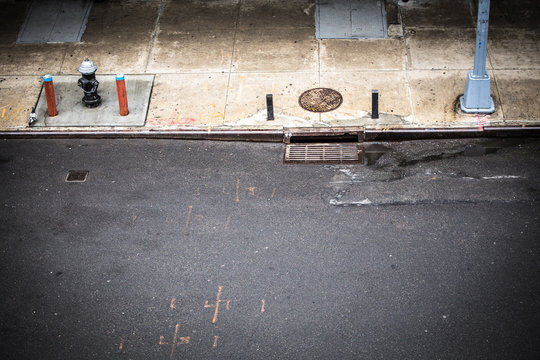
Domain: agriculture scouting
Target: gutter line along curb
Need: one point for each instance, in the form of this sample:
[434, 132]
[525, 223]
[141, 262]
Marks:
[277, 135]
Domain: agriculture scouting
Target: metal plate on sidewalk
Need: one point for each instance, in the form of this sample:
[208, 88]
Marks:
[320, 153]
[350, 19]
[320, 100]
[55, 21]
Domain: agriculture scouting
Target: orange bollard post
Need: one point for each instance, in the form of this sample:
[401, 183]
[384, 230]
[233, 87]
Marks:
[49, 95]
[122, 95]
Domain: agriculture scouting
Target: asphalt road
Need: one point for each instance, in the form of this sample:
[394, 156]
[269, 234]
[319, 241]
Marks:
[201, 250]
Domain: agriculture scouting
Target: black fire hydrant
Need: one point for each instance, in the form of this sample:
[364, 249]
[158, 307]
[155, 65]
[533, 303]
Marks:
[89, 84]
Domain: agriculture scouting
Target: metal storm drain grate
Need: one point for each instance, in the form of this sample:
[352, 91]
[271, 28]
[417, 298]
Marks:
[323, 153]
[77, 175]
[320, 100]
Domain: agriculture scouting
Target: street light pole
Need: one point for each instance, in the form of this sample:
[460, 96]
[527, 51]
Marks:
[477, 97]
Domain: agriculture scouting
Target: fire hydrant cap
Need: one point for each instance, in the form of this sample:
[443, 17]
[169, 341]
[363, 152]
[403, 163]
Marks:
[87, 67]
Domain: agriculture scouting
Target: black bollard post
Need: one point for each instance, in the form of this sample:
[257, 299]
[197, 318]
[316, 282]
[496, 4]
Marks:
[269, 107]
[375, 104]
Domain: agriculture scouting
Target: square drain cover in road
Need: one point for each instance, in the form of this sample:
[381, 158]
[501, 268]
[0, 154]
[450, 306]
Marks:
[72, 111]
[319, 153]
[55, 21]
[77, 175]
[350, 19]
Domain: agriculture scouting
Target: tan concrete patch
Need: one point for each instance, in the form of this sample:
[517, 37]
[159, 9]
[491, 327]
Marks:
[514, 49]
[520, 94]
[440, 13]
[31, 59]
[111, 57]
[199, 16]
[18, 94]
[441, 48]
[198, 51]
[356, 89]
[186, 100]
[277, 13]
[259, 50]
[435, 94]
[360, 54]
[246, 104]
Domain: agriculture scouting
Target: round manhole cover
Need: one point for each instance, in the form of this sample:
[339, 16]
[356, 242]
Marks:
[320, 100]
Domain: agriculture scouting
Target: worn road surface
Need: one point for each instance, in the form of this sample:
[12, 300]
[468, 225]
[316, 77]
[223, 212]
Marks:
[202, 250]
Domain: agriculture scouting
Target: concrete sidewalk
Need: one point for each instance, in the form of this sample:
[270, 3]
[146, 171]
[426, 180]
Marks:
[214, 62]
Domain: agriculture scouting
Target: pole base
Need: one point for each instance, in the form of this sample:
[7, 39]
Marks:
[489, 110]
[477, 98]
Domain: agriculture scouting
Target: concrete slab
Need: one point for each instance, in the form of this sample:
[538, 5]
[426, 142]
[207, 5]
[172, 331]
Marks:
[258, 50]
[200, 51]
[435, 95]
[190, 16]
[522, 14]
[520, 94]
[350, 19]
[132, 21]
[187, 100]
[13, 15]
[356, 88]
[276, 14]
[246, 100]
[18, 95]
[440, 13]
[53, 21]
[111, 57]
[117, 38]
[514, 49]
[31, 59]
[72, 112]
[443, 48]
[355, 55]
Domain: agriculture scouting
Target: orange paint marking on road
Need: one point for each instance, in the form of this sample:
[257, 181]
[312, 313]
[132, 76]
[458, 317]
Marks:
[121, 346]
[237, 190]
[217, 304]
[176, 340]
[263, 304]
[273, 193]
[251, 189]
[215, 342]
[173, 303]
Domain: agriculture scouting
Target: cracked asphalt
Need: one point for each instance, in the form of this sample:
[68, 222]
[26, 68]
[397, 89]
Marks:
[207, 250]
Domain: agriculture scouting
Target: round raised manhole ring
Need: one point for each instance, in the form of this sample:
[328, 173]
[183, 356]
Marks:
[320, 100]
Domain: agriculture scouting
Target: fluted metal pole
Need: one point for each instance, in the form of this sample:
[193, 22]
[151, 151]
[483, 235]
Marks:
[477, 97]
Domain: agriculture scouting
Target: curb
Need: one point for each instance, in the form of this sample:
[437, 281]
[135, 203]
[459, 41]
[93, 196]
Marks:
[280, 135]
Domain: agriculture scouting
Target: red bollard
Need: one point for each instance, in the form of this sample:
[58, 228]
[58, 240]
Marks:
[122, 96]
[49, 95]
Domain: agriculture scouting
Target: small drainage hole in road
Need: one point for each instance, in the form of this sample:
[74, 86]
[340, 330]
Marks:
[77, 175]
